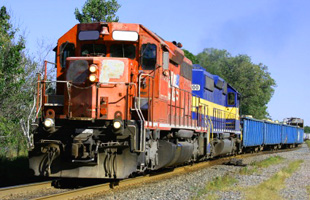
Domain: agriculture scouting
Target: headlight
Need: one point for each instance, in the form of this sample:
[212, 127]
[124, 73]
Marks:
[92, 77]
[117, 124]
[48, 122]
[93, 68]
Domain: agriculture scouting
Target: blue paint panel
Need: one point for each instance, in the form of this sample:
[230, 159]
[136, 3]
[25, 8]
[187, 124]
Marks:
[289, 134]
[253, 132]
[272, 133]
[300, 135]
[219, 97]
[198, 79]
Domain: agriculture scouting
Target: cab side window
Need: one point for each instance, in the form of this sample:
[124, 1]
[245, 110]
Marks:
[66, 50]
[231, 98]
[149, 55]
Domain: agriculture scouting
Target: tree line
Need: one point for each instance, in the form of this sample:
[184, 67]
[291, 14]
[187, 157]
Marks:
[18, 70]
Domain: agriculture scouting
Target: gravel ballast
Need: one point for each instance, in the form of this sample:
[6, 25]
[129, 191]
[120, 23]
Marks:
[188, 186]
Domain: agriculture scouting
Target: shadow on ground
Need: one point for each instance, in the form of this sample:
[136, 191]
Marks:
[15, 171]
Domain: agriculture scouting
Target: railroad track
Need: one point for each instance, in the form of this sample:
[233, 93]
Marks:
[106, 187]
[103, 188]
[20, 189]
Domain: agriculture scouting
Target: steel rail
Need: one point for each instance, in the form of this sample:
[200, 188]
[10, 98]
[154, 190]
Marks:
[24, 188]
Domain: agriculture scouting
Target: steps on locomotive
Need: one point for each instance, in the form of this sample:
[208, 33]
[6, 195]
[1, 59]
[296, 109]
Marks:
[54, 100]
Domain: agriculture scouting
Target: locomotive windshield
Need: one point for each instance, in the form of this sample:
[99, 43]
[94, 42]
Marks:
[93, 50]
[123, 51]
[89, 35]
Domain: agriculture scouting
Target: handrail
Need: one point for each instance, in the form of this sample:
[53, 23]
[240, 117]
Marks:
[221, 115]
[139, 112]
[190, 95]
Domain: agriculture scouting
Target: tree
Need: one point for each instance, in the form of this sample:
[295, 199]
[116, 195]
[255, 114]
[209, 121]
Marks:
[16, 94]
[98, 11]
[307, 129]
[253, 81]
[190, 56]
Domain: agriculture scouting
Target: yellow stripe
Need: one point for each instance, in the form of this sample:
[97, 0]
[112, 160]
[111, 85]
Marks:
[206, 107]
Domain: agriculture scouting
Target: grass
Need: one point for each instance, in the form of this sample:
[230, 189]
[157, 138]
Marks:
[220, 183]
[225, 182]
[308, 143]
[261, 164]
[269, 189]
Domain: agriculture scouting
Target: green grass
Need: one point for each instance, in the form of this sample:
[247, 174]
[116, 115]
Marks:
[308, 191]
[308, 143]
[224, 183]
[269, 189]
[254, 167]
[220, 183]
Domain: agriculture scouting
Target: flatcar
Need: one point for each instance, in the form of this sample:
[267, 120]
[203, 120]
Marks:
[126, 101]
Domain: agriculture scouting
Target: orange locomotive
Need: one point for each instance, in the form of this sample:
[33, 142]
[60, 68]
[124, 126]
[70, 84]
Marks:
[123, 104]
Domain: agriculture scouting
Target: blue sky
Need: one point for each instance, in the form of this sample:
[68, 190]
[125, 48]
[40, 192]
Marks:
[273, 32]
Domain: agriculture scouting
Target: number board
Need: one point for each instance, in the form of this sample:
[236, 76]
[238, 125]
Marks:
[195, 87]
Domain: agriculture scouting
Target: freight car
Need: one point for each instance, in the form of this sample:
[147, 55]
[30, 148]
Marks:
[265, 134]
[126, 101]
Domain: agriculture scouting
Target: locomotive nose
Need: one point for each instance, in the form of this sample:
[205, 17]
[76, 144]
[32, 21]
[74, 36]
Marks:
[98, 87]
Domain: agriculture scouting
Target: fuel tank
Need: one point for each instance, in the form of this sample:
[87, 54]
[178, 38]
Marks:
[171, 154]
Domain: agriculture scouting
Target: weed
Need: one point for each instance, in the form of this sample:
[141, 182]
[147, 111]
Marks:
[269, 161]
[220, 183]
[253, 168]
[308, 190]
[308, 143]
[269, 188]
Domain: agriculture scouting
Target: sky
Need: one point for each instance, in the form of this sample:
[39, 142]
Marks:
[273, 32]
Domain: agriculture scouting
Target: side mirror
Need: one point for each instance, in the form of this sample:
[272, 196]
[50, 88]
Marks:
[165, 60]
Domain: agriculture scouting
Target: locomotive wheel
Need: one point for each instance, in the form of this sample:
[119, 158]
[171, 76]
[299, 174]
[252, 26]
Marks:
[56, 183]
[114, 183]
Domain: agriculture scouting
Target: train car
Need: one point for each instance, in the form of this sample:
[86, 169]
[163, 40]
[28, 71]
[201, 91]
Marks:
[294, 121]
[217, 106]
[252, 134]
[272, 134]
[300, 135]
[104, 120]
[289, 135]
[298, 123]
